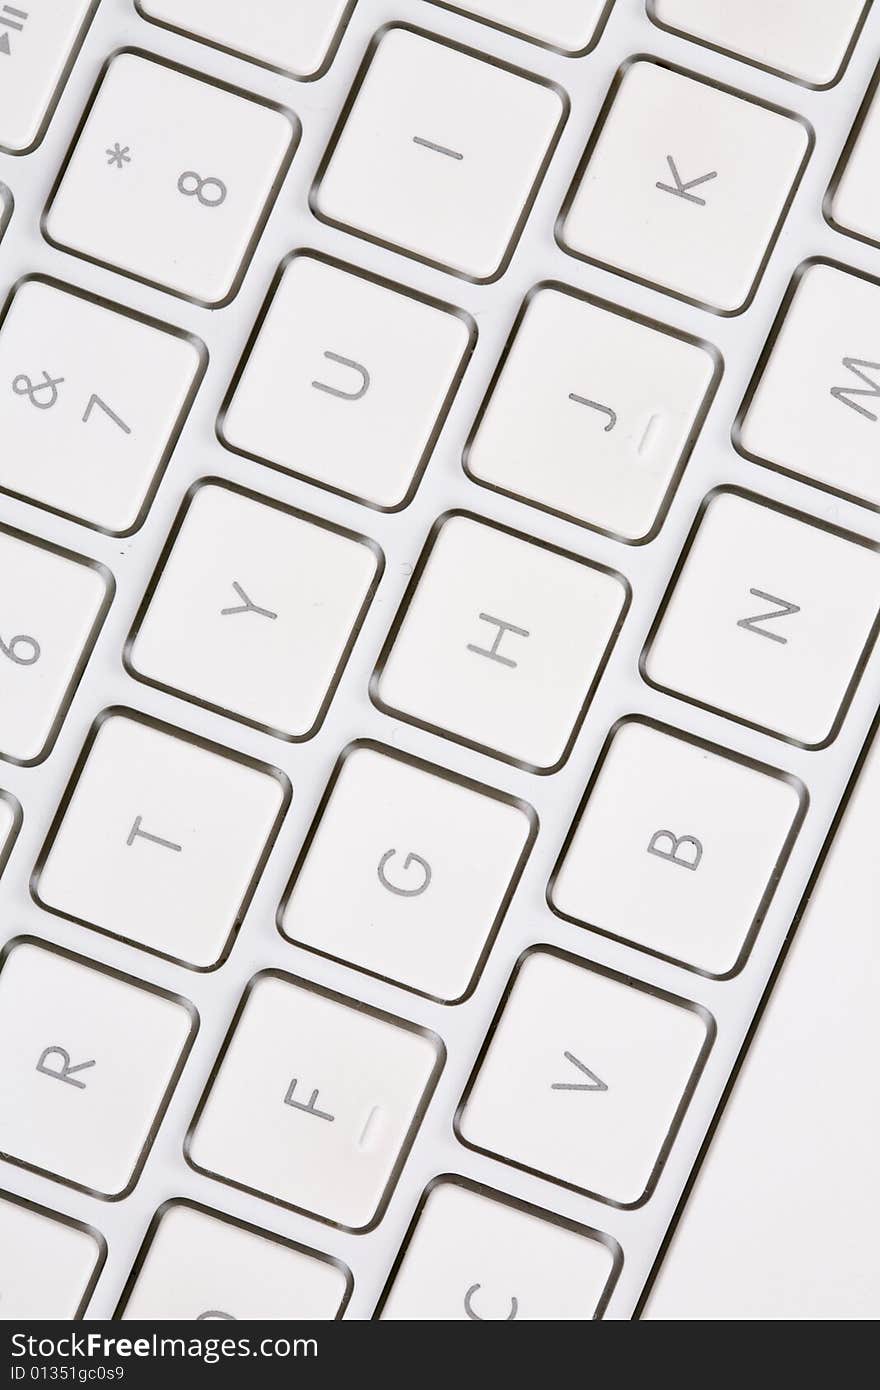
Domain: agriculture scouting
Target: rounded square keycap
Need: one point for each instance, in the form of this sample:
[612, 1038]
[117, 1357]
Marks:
[853, 201]
[297, 39]
[347, 381]
[89, 437]
[171, 178]
[585, 1077]
[439, 153]
[199, 1266]
[37, 42]
[407, 871]
[474, 1254]
[570, 25]
[90, 1057]
[500, 641]
[315, 1101]
[48, 1263]
[769, 619]
[814, 407]
[160, 839]
[254, 609]
[592, 413]
[52, 604]
[677, 847]
[685, 185]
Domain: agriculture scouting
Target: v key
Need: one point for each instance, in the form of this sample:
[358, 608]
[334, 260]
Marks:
[683, 190]
[593, 1083]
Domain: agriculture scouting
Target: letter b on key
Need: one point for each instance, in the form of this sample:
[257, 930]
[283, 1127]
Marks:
[684, 850]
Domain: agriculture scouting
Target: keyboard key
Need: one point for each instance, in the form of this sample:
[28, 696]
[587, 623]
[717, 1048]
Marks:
[90, 436]
[90, 1057]
[812, 409]
[296, 39]
[160, 839]
[684, 185]
[315, 1101]
[37, 46]
[485, 649]
[5, 208]
[474, 1255]
[853, 204]
[10, 820]
[48, 1263]
[585, 1078]
[572, 26]
[171, 178]
[620, 398]
[806, 40]
[677, 847]
[347, 381]
[199, 1266]
[52, 607]
[440, 153]
[254, 609]
[430, 862]
[769, 619]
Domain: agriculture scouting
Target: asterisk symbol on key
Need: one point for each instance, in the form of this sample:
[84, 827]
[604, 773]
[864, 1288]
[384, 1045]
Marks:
[118, 155]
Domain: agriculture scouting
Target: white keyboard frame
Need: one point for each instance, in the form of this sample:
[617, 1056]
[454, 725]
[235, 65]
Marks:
[351, 716]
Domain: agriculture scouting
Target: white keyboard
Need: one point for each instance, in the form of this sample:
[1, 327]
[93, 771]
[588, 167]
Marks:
[439, 591]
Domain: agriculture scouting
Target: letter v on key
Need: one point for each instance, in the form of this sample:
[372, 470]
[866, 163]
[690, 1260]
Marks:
[682, 189]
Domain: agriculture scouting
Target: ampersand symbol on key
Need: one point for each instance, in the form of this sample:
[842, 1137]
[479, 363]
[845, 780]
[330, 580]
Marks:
[211, 192]
[23, 386]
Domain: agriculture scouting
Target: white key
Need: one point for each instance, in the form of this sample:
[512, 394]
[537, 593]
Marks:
[89, 436]
[408, 871]
[685, 186]
[47, 1263]
[489, 1259]
[315, 1102]
[768, 620]
[347, 382]
[572, 26]
[296, 39]
[585, 1078]
[161, 840]
[52, 604]
[255, 610]
[807, 40]
[592, 414]
[37, 44]
[201, 1266]
[89, 1059]
[853, 202]
[171, 179]
[10, 820]
[816, 403]
[678, 847]
[501, 642]
[440, 154]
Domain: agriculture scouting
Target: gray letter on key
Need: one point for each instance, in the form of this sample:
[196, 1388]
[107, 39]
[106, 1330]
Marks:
[492, 652]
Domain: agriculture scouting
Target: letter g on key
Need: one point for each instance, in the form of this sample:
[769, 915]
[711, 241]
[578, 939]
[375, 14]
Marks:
[418, 882]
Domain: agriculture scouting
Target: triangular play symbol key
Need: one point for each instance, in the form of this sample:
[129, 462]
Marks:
[4, 44]
[593, 1082]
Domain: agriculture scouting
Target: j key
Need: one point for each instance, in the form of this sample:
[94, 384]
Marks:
[90, 436]
[90, 1057]
[585, 1077]
[853, 203]
[298, 39]
[677, 847]
[429, 863]
[48, 1263]
[199, 1266]
[806, 40]
[171, 178]
[572, 26]
[769, 619]
[347, 381]
[814, 408]
[476, 1255]
[685, 186]
[620, 399]
[255, 609]
[501, 641]
[52, 604]
[160, 839]
[440, 153]
[37, 44]
[315, 1101]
